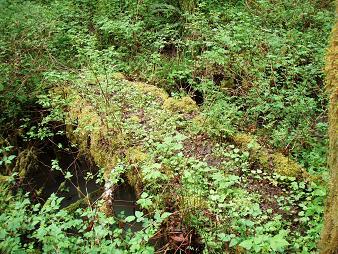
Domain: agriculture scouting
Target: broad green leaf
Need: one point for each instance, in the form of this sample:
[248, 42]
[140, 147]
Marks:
[247, 244]
[129, 219]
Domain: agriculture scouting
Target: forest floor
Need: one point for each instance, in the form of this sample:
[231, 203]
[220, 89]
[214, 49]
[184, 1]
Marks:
[212, 118]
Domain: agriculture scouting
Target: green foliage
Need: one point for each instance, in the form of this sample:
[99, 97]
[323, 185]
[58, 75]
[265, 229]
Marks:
[25, 31]
[273, 78]
[256, 66]
[240, 219]
[6, 158]
[49, 229]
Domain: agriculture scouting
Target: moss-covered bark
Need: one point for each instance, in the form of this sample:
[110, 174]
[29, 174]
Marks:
[329, 240]
[161, 145]
[143, 112]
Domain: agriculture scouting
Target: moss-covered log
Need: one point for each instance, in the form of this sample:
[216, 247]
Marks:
[93, 124]
[329, 240]
[162, 146]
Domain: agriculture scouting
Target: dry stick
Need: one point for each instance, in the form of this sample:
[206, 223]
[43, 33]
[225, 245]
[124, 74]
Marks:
[107, 103]
[75, 186]
[179, 247]
[63, 174]
[164, 248]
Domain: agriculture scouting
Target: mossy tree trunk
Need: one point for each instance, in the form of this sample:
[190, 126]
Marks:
[329, 239]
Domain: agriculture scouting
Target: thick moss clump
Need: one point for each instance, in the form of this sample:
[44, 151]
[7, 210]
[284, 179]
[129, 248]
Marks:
[152, 90]
[183, 105]
[88, 130]
[135, 156]
[275, 161]
[285, 166]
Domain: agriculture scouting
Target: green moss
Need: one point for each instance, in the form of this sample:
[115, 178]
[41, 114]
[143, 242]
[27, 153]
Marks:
[134, 179]
[249, 142]
[135, 155]
[275, 161]
[150, 89]
[246, 141]
[264, 158]
[182, 105]
[3, 178]
[118, 76]
[191, 202]
[86, 128]
[285, 166]
[26, 162]
[135, 119]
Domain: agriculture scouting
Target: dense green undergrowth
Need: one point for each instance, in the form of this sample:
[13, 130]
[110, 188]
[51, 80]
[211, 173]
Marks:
[253, 67]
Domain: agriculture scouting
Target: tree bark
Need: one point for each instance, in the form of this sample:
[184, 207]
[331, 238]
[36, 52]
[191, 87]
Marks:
[329, 238]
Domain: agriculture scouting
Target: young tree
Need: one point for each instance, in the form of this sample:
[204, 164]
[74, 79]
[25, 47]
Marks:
[329, 238]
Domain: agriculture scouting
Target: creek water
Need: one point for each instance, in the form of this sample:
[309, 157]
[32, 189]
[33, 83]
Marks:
[45, 181]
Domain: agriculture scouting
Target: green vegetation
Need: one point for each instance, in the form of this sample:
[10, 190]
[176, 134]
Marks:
[215, 112]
